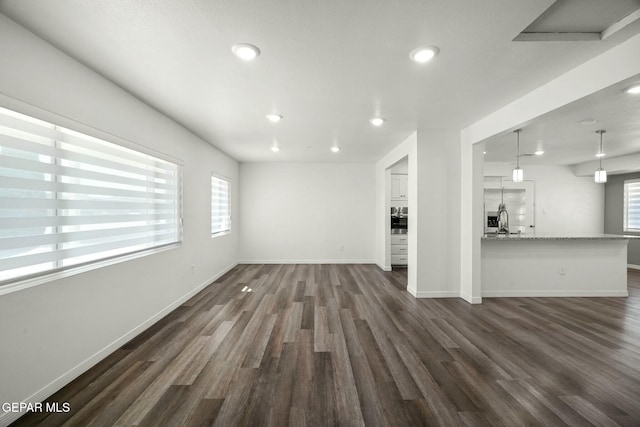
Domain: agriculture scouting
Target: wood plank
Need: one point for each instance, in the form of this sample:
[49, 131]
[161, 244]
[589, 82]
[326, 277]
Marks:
[347, 345]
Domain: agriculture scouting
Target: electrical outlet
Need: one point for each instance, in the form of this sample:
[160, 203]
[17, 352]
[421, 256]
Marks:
[193, 268]
[562, 271]
[341, 248]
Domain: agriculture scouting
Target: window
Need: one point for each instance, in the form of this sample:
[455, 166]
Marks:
[68, 199]
[220, 206]
[632, 205]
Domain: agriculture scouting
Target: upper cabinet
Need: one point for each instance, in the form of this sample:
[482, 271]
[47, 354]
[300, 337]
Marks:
[399, 187]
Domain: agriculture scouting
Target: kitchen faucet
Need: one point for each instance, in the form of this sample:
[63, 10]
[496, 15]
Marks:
[503, 217]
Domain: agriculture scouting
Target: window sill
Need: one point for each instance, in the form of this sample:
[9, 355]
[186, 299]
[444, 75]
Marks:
[221, 233]
[31, 282]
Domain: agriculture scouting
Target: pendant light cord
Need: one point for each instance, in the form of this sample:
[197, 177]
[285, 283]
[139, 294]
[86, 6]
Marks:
[600, 150]
[518, 149]
[601, 131]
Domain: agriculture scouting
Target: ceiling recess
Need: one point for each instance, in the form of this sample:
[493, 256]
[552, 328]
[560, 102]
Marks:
[582, 20]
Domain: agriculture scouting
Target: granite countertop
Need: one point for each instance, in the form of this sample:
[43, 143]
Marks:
[544, 236]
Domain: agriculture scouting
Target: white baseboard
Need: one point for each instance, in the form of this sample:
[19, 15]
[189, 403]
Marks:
[383, 267]
[7, 418]
[633, 266]
[307, 261]
[470, 299]
[433, 294]
[553, 294]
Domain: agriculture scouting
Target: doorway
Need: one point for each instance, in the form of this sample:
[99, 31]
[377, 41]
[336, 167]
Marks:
[398, 213]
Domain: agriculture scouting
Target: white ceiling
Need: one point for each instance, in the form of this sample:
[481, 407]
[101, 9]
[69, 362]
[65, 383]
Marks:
[566, 140]
[326, 66]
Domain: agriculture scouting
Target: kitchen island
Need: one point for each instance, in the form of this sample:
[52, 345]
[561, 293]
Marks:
[545, 265]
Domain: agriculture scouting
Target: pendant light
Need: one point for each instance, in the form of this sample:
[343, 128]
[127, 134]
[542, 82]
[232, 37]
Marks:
[518, 174]
[601, 175]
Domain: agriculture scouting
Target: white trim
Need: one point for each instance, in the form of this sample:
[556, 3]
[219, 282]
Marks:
[383, 267]
[220, 233]
[11, 103]
[630, 186]
[309, 261]
[470, 299]
[433, 294]
[64, 379]
[72, 271]
[633, 266]
[623, 23]
[228, 181]
[557, 37]
[553, 294]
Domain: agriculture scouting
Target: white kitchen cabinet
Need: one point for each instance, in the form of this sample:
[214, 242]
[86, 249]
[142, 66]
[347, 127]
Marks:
[399, 187]
[399, 249]
[399, 259]
[399, 239]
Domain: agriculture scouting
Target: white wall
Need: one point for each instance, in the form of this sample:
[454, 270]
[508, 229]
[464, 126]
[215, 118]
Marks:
[564, 202]
[471, 228]
[454, 207]
[434, 247]
[52, 332]
[437, 214]
[304, 212]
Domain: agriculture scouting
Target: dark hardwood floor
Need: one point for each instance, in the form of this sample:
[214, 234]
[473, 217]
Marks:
[347, 345]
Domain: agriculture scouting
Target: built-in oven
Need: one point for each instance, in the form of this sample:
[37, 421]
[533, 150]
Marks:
[399, 220]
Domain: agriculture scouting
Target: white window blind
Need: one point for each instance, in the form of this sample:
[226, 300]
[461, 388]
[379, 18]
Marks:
[632, 205]
[220, 207]
[68, 199]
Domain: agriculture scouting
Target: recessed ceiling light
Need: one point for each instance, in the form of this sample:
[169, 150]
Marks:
[633, 90]
[274, 118]
[539, 153]
[484, 152]
[601, 154]
[587, 122]
[424, 54]
[245, 51]
[275, 148]
[377, 121]
[335, 149]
